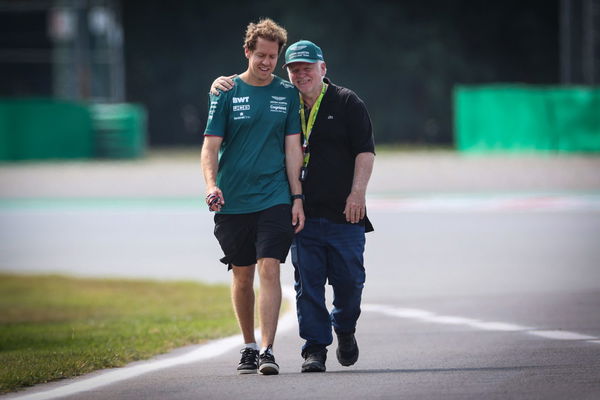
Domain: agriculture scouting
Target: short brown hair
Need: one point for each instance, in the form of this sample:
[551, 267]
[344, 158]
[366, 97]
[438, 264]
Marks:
[267, 29]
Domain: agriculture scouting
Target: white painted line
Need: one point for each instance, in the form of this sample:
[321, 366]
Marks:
[451, 320]
[499, 326]
[208, 350]
[562, 335]
[428, 316]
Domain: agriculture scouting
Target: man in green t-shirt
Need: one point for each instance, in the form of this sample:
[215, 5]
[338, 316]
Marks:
[251, 160]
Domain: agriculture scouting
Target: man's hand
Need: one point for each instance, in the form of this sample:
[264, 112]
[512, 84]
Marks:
[298, 215]
[355, 207]
[214, 199]
[223, 83]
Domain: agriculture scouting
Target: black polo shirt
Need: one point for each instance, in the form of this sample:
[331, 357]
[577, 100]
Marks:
[341, 131]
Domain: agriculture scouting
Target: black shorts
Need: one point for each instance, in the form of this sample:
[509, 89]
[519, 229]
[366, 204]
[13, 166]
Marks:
[245, 238]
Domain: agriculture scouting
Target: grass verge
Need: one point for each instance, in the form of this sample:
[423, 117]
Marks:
[54, 327]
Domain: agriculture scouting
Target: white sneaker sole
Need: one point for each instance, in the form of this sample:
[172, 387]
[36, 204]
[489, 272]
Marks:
[247, 371]
[269, 369]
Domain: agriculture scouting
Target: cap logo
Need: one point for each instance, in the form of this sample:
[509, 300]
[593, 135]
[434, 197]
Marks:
[299, 47]
[299, 54]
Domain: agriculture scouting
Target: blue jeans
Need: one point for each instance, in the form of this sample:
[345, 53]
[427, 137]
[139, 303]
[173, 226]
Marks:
[326, 251]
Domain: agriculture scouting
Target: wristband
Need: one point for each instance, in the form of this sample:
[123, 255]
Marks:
[297, 196]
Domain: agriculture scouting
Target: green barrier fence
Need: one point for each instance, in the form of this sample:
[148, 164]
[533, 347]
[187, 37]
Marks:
[5, 152]
[119, 130]
[54, 129]
[526, 118]
[43, 128]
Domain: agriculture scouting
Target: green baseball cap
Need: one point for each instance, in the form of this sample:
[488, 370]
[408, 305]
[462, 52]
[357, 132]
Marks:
[303, 51]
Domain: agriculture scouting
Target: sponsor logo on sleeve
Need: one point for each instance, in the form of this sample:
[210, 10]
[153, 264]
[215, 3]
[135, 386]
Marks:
[213, 107]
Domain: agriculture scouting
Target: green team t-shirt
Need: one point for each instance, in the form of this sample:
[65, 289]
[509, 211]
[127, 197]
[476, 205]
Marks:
[253, 121]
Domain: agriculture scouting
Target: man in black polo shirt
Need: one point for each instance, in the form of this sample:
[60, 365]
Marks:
[338, 160]
[339, 155]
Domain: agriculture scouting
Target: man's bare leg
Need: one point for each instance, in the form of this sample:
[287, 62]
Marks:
[269, 301]
[242, 297]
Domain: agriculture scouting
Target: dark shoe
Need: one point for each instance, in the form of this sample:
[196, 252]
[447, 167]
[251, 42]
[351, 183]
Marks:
[314, 361]
[267, 364]
[347, 351]
[249, 362]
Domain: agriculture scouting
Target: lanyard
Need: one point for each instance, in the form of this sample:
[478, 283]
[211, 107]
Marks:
[307, 127]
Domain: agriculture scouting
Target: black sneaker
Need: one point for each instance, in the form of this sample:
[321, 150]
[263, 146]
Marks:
[347, 351]
[314, 361]
[249, 362]
[266, 362]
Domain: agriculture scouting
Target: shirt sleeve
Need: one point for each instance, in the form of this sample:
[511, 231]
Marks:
[358, 123]
[218, 113]
[292, 123]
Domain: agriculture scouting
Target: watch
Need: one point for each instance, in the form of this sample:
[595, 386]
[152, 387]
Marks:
[297, 196]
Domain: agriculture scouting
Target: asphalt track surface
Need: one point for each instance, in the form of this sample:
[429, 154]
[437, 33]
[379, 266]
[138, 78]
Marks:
[483, 275]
